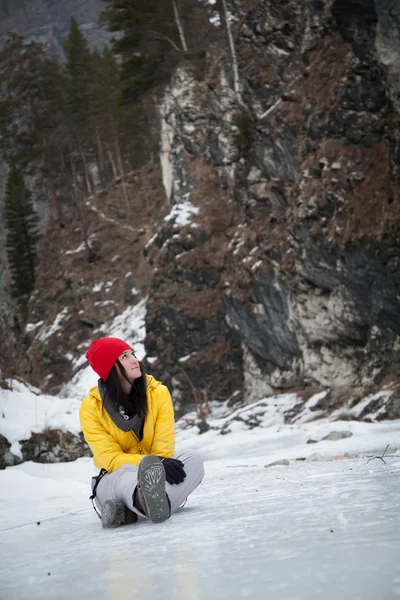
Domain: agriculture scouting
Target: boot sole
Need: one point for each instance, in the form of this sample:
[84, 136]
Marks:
[113, 514]
[151, 481]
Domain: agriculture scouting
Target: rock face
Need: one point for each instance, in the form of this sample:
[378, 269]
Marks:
[6, 324]
[388, 45]
[278, 266]
[289, 275]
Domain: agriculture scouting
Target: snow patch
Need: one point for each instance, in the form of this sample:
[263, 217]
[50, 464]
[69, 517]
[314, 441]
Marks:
[32, 326]
[45, 332]
[103, 284]
[24, 410]
[182, 213]
[187, 357]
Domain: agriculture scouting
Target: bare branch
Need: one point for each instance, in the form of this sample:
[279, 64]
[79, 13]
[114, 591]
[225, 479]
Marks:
[270, 109]
[113, 221]
[198, 405]
[277, 103]
[380, 457]
[161, 36]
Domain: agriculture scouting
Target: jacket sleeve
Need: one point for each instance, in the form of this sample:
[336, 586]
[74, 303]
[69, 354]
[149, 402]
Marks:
[107, 452]
[164, 428]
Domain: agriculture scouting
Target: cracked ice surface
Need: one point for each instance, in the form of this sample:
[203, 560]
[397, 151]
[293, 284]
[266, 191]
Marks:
[311, 530]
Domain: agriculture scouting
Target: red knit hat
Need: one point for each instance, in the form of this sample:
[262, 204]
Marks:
[103, 353]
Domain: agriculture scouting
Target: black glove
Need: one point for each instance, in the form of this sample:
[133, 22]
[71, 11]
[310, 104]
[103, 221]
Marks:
[174, 471]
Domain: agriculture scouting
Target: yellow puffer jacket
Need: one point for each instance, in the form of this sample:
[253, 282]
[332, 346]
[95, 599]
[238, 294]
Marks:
[113, 447]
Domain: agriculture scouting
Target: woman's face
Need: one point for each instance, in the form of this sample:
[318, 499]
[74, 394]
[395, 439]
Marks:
[131, 365]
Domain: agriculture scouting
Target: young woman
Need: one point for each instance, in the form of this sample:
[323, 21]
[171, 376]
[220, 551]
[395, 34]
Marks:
[128, 422]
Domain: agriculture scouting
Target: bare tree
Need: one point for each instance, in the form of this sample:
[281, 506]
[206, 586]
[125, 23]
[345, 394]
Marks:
[235, 66]
[179, 25]
[200, 398]
[119, 159]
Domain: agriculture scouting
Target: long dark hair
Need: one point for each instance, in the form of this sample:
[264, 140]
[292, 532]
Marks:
[136, 401]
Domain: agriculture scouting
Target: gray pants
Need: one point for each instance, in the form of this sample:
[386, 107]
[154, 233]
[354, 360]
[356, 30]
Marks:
[121, 484]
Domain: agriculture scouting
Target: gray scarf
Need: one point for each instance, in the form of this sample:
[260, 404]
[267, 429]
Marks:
[118, 415]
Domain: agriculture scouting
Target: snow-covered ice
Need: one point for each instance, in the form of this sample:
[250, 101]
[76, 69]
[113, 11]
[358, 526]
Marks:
[315, 529]
[325, 526]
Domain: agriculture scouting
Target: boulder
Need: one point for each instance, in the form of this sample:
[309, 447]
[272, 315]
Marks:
[53, 446]
[7, 458]
[337, 435]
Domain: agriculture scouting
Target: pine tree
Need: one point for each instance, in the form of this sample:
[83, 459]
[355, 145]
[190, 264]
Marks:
[79, 110]
[79, 70]
[153, 37]
[21, 222]
[18, 72]
[150, 44]
[31, 117]
[104, 103]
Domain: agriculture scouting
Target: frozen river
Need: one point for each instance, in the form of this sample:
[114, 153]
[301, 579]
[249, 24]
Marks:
[307, 531]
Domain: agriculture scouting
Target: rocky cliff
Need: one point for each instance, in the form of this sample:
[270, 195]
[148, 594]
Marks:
[291, 277]
[287, 274]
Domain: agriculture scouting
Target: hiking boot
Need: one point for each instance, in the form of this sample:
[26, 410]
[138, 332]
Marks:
[115, 513]
[150, 496]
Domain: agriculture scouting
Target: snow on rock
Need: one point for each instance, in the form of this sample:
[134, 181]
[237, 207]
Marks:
[130, 327]
[80, 248]
[32, 326]
[46, 332]
[273, 428]
[182, 213]
[265, 413]
[53, 446]
[24, 410]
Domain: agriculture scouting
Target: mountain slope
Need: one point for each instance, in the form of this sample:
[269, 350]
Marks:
[48, 21]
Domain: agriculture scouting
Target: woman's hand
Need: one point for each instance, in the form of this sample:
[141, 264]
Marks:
[174, 471]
